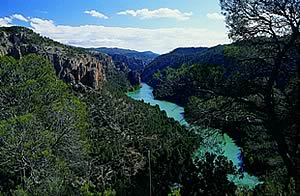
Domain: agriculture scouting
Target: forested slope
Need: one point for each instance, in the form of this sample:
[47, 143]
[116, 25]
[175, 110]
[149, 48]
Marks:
[61, 138]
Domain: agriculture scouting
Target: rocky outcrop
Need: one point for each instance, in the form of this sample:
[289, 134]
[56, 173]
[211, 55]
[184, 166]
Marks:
[134, 78]
[129, 62]
[132, 63]
[86, 69]
[73, 65]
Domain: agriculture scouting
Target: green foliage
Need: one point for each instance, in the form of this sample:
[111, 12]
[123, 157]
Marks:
[20, 192]
[157, 75]
[179, 84]
[208, 176]
[180, 56]
[271, 66]
[88, 189]
[233, 98]
[57, 142]
[47, 141]
[41, 129]
[123, 132]
[206, 77]
[175, 192]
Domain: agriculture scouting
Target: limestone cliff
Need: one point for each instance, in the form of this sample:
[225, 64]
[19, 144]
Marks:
[73, 65]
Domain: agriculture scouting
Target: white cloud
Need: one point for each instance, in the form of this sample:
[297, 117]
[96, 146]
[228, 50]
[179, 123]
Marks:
[19, 17]
[96, 14]
[5, 22]
[159, 40]
[215, 16]
[41, 25]
[158, 13]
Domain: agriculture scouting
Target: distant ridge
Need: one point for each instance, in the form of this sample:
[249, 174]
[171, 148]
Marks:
[146, 56]
[179, 56]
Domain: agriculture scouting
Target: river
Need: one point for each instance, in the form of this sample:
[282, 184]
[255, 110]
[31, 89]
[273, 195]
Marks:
[214, 142]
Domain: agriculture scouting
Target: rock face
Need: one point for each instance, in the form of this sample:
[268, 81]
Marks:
[86, 69]
[130, 62]
[73, 65]
[134, 78]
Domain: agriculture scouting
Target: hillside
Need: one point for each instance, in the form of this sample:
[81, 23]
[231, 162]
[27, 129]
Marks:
[74, 138]
[73, 65]
[134, 60]
[87, 108]
[230, 94]
[189, 56]
[145, 57]
[130, 61]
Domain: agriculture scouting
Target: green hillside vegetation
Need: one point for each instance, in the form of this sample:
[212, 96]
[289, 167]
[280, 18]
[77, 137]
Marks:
[25, 35]
[256, 98]
[188, 56]
[43, 126]
[70, 136]
[58, 141]
[194, 80]
[213, 97]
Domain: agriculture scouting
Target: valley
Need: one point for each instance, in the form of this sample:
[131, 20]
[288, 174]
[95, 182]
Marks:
[139, 98]
[216, 143]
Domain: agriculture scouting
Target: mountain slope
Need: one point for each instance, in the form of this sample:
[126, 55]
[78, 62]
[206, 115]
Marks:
[73, 65]
[189, 56]
[145, 57]
[86, 141]
[58, 140]
[129, 61]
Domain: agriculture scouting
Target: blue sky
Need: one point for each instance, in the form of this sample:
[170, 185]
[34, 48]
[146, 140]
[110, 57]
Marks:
[157, 25]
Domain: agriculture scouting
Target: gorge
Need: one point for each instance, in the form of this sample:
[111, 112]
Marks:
[93, 120]
[213, 142]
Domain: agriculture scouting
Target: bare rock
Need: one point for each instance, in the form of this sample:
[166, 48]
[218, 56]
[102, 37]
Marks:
[73, 65]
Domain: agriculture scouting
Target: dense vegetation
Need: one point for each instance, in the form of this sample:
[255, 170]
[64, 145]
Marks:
[61, 139]
[231, 100]
[256, 98]
[188, 56]
[25, 35]
[274, 96]
[180, 84]
[214, 100]
[42, 130]
[55, 140]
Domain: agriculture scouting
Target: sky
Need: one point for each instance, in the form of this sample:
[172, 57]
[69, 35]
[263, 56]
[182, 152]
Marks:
[144, 25]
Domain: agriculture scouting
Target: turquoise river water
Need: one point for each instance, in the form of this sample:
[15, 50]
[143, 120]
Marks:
[214, 141]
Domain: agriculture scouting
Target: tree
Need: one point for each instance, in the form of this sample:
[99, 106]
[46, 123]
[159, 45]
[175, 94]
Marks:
[208, 176]
[272, 27]
[43, 145]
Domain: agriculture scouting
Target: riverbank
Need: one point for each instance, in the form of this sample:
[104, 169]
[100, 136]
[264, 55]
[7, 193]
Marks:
[215, 143]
